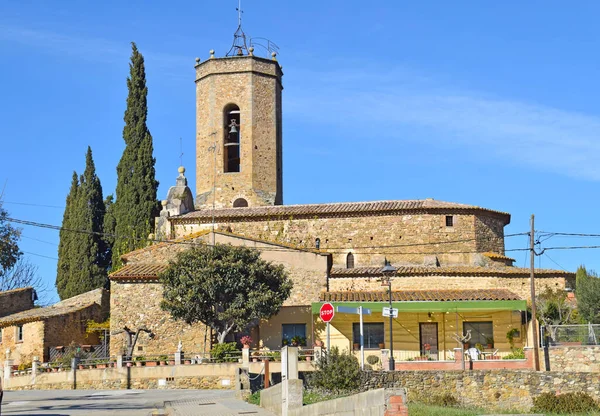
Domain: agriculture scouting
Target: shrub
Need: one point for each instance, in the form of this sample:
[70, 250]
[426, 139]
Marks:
[443, 400]
[516, 354]
[254, 398]
[336, 372]
[225, 352]
[372, 359]
[568, 403]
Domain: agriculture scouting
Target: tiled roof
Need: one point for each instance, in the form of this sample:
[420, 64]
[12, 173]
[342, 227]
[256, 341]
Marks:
[139, 271]
[10, 292]
[450, 271]
[340, 209]
[157, 246]
[74, 304]
[420, 295]
[190, 237]
[496, 256]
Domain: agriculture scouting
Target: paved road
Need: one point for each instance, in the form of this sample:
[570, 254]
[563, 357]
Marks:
[126, 402]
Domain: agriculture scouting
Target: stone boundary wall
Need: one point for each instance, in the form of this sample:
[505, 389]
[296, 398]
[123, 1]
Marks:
[212, 376]
[581, 358]
[487, 389]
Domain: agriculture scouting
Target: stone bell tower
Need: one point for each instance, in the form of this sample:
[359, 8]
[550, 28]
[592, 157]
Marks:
[238, 131]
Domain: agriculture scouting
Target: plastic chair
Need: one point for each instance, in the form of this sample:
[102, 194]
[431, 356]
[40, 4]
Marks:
[473, 353]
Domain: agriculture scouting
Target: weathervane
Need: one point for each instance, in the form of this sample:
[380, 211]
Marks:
[239, 47]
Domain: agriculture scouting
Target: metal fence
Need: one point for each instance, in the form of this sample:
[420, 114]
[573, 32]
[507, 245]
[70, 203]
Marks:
[558, 335]
[83, 351]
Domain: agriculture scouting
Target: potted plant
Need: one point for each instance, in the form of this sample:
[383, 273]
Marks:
[298, 340]
[171, 361]
[187, 360]
[479, 347]
[255, 355]
[139, 361]
[151, 363]
[246, 340]
[381, 345]
[356, 346]
[490, 342]
[318, 343]
[162, 360]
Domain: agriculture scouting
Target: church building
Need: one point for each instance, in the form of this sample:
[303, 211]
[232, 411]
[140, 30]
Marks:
[451, 272]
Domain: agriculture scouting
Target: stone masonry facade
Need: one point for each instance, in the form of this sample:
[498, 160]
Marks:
[408, 236]
[486, 389]
[254, 85]
[17, 300]
[137, 305]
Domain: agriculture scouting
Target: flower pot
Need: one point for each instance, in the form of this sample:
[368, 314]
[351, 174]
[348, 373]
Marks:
[308, 358]
[246, 346]
[81, 367]
[151, 364]
[163, 363]
[490, 346]
[129, 364]
[171, 362]
[138, 363]
[255, 360]
[101, 366]
[356, 346]
[187, 361]
[381, 346]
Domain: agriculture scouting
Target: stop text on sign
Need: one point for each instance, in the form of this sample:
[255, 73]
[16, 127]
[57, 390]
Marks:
[327, 312]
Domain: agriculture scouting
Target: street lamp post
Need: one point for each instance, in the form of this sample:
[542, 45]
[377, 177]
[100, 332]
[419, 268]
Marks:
[389, 271]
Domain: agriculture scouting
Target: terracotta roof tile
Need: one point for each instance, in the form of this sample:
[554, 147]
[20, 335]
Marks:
[74, 304]
[496, 256]
[420, 296]
[449, 271]
[139, 271]
[340, 209]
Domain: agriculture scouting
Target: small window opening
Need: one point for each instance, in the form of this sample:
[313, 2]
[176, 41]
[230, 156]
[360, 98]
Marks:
[231, 141]
[318, 243]
[240, 203]
[449, 221]
[350, 261]
[19, 333]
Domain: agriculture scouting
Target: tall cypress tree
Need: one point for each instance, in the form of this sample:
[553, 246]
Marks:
[136, 204]
[82, 255]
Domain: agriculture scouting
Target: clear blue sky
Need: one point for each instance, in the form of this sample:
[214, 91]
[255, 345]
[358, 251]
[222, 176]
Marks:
[491, 104]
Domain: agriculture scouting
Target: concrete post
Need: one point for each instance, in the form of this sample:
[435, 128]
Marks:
[385, 359]
[8, 364]
[34, 368]
[246, 356]
[119, 361]
[292, 363]
[178, 358]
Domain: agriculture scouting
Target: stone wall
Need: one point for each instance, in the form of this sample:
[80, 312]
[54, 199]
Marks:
[582, 358]
[487, 389]
[254, 85]
[64, 330]
[409, 236]
[13, 301]
[517, 285]
[212, 376]
[23, 351]
[137, 305]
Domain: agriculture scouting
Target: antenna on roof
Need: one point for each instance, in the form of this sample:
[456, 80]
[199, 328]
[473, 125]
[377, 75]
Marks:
[239, 47]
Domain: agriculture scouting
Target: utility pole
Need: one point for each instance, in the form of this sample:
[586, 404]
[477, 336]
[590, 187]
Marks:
[536, 351]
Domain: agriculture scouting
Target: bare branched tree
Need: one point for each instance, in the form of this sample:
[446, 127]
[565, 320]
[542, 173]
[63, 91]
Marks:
[23, 274]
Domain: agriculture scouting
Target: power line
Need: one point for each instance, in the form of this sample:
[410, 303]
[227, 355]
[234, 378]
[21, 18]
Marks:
[330, 250]
[39, 255]
[37, 239]
[32, 205]
[550, 258]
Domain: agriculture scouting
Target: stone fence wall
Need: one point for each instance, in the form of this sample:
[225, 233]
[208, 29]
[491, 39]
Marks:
[580, 358]
[210, 376]
[487, 389]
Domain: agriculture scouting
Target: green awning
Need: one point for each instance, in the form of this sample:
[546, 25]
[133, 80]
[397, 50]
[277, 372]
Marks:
[436, 306]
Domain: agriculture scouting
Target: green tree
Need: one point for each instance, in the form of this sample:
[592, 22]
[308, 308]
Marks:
[109, 225]
[554, 308]
[587, 292]
[136, 205]
[9, 247]
[226, 288]
[83, 264]
[336, 372]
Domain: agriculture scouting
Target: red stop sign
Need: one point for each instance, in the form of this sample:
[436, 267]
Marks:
[326, 313]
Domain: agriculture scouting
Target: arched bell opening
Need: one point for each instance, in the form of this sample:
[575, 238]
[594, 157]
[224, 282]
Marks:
[231, 140]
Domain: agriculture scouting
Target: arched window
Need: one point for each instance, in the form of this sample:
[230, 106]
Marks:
[240, 203]
[350, 261]
[231, 139]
